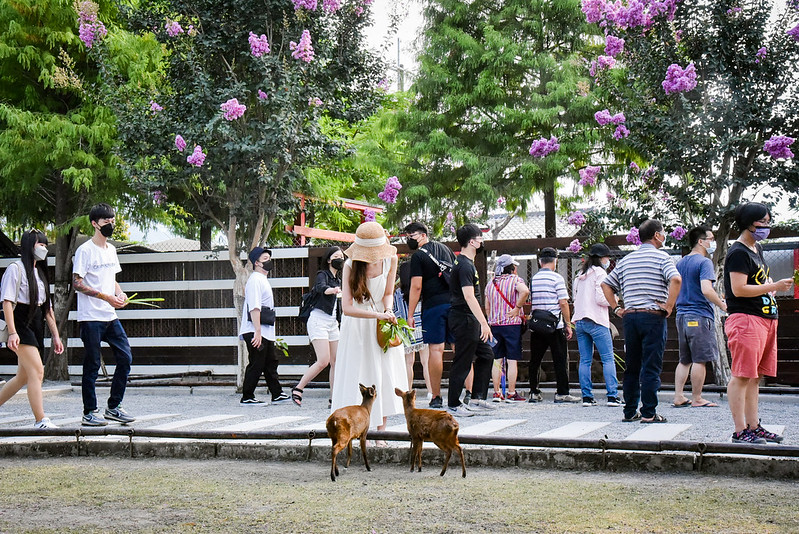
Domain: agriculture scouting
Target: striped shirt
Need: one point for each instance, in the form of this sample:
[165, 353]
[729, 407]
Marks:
[547, 288]
[498, 309]
[643, 277]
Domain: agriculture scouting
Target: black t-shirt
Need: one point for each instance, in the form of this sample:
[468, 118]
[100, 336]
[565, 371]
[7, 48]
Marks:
[434, 289]
[741, 259]
[464, 274]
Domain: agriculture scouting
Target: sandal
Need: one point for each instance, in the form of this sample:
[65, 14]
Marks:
[657, 418]
[296, 397]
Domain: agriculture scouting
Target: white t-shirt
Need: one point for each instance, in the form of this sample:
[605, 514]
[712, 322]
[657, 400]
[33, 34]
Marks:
[98, 268]
[257, 293]
[9, 284]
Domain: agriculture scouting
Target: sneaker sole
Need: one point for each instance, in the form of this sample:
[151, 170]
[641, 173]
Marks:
[83, 423]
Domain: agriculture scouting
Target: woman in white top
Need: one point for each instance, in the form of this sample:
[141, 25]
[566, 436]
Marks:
[26, 306]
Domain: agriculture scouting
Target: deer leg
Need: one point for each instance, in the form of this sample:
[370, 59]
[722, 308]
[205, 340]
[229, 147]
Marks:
[419, 445]
[446, 462]
[349, 453]
[363, 451]
[412, 454]
[463, 461]
[333, 467]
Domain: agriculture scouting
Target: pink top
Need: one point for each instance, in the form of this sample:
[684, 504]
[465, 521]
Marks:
[589, 300]
[497, 307]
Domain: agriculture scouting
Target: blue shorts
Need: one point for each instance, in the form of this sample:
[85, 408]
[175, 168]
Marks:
[509, 341]
[435, 325]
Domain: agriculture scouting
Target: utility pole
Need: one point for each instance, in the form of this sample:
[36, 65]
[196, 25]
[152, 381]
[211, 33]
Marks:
[400, 70]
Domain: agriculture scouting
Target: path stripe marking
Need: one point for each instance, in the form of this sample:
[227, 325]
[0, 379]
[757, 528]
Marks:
[488, 427]
[657, 432]
[574, 430]
[260, 423]
[194, 421]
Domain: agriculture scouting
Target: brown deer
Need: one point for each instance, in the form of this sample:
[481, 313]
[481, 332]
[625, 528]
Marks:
[348, 423]
[432, 425]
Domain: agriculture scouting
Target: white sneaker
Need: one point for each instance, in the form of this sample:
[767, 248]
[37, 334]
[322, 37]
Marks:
[482, 405]
[566, 398]
[461, 411]
[44, 423]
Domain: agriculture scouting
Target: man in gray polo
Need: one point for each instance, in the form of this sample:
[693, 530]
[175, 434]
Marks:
[649, 284]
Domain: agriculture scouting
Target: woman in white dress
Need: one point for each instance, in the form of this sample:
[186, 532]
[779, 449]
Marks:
[367, 296]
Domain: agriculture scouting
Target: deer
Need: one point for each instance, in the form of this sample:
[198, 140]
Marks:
[348, 423]
[432, 425]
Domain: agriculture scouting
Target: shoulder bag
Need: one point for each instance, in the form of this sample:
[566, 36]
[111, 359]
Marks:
[501, 294]
[543, 321]
[444, 271]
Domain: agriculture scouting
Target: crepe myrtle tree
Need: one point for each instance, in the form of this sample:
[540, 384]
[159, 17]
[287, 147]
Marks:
[236, 118]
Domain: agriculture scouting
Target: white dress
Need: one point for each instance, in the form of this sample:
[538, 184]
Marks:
[360, 359]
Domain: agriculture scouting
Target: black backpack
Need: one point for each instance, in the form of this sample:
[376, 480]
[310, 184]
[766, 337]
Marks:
[308, 304]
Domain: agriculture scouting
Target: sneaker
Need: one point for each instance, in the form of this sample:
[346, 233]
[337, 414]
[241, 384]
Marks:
[615, 401]
[535, 397]
[93, 419]
[479, 405]
[498, 397]
[566, 398]
[515, 398]
[766, 435]
[467, 397]
[747, 436]
[253, 402]
[118, 414]
[283, 396]
[460, 411]
[44, 423]
[429, 396]
[437, 403]
[588, 401]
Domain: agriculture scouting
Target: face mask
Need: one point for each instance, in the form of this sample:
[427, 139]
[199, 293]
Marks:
[479, 247]
[40, 253]
[605, 265]
[711, 248]
[412, 243]
[337, 263]
[658, 239]
[267, 265]
[107, 230]
[761, 233]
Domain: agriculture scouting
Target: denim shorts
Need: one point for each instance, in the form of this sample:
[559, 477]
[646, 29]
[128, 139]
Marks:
[697, 339]
[509, 341]
[435, 325]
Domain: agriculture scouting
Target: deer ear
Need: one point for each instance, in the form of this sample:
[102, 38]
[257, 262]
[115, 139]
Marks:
[398, 392]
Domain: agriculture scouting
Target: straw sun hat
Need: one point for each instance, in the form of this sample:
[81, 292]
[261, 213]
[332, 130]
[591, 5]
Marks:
[371, 244]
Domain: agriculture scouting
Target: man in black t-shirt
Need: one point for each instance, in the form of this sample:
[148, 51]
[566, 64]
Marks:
[428, 284]
[470, 328]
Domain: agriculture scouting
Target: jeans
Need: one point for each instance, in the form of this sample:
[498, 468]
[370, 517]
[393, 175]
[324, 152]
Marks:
[645, 341]
[469, 348]
[556, 342]
[262, 360]
[92, 333]
[589, 334]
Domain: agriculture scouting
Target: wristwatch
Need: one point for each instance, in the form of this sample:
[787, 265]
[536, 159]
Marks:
[616, 309]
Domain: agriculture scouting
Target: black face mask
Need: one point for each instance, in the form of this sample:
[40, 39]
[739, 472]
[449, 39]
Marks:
[107, 230]
[412, 243]
[267, 265]
[337, 263]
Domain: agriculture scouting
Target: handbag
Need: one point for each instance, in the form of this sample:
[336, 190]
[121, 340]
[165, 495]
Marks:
[308, 304]
[382, 337]
[543, 321]
[3, 324]
[267, 316]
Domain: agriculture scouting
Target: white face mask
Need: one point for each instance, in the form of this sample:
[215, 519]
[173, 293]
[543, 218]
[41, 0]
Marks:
[40, 253]
[711, 248]
[605, 265]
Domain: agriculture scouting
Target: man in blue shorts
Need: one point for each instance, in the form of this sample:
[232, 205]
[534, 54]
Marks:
[429, 264]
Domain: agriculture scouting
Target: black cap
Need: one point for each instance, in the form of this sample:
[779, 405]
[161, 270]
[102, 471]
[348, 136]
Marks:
[257, 252]
[547, 252]
[600, 250]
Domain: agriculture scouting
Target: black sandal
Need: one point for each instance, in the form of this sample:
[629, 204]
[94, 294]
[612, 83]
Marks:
[296, 397]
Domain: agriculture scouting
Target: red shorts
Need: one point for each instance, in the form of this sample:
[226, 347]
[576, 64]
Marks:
[753, 345]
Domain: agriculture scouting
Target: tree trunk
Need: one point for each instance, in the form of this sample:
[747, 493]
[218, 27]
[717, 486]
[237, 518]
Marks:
[206, 233]
[241, 274]
[549, 213]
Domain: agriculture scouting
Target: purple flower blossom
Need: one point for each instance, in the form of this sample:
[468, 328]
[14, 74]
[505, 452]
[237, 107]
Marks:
[233, 110]
[331, 6]
[180, 143]
[777, 146]
[390, 190]
[613, 45]
[621, 132]
[197, 158]
[610, 196]
[678, 79]
[604, 117]
[368, 215]
[310, 5]
[734, 11]
[258, 45]
[633, 237]
[576, 218]
[678, 36]
[315, 102]
[501, 202]
[593, 9]
[634, 167]
[762, 52]
[90, 28]
[262, 95]
[158, 197]
[383, 85]
[575, 246]
[359, 11]
[588, 175]
[303, 50]
[601, 63]
[794, 32]
[155, 107]
[543, 147]
[678, 233]
[450, 216]
[173, 28]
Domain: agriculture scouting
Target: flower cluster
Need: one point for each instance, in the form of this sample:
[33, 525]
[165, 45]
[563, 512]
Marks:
[331, 6]
[575, 246]
[613, 46]
[601, 63]
[576, 218]
[633, 237]
[310, 5]
[90, 28]
[588, 175]
[382, 85]
[679, 79]
[262, 95]
[303, 50]
[621, 132]
[173, 28]
[197, 158]
[315, 102]
[501, 202]
[233, 110]
[604, 118]
[734, 11]
[543, 147]
[634, 167]
[155, 107]
[678, 233]
[258, 45]
[762, 52]
[777, 146]
[794, 32]
[635, 14]
[368, 215]
[158, 197]
[390, 191]
[180, 143]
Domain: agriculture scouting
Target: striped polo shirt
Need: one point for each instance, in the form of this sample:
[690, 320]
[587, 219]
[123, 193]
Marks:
[498, 309]
[547, 288]
[643, 277]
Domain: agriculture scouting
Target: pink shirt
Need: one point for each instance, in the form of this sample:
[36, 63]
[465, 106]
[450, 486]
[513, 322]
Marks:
[589, 299]
[498, 309]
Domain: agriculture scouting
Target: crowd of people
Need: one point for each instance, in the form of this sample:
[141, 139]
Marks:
[443, 300]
